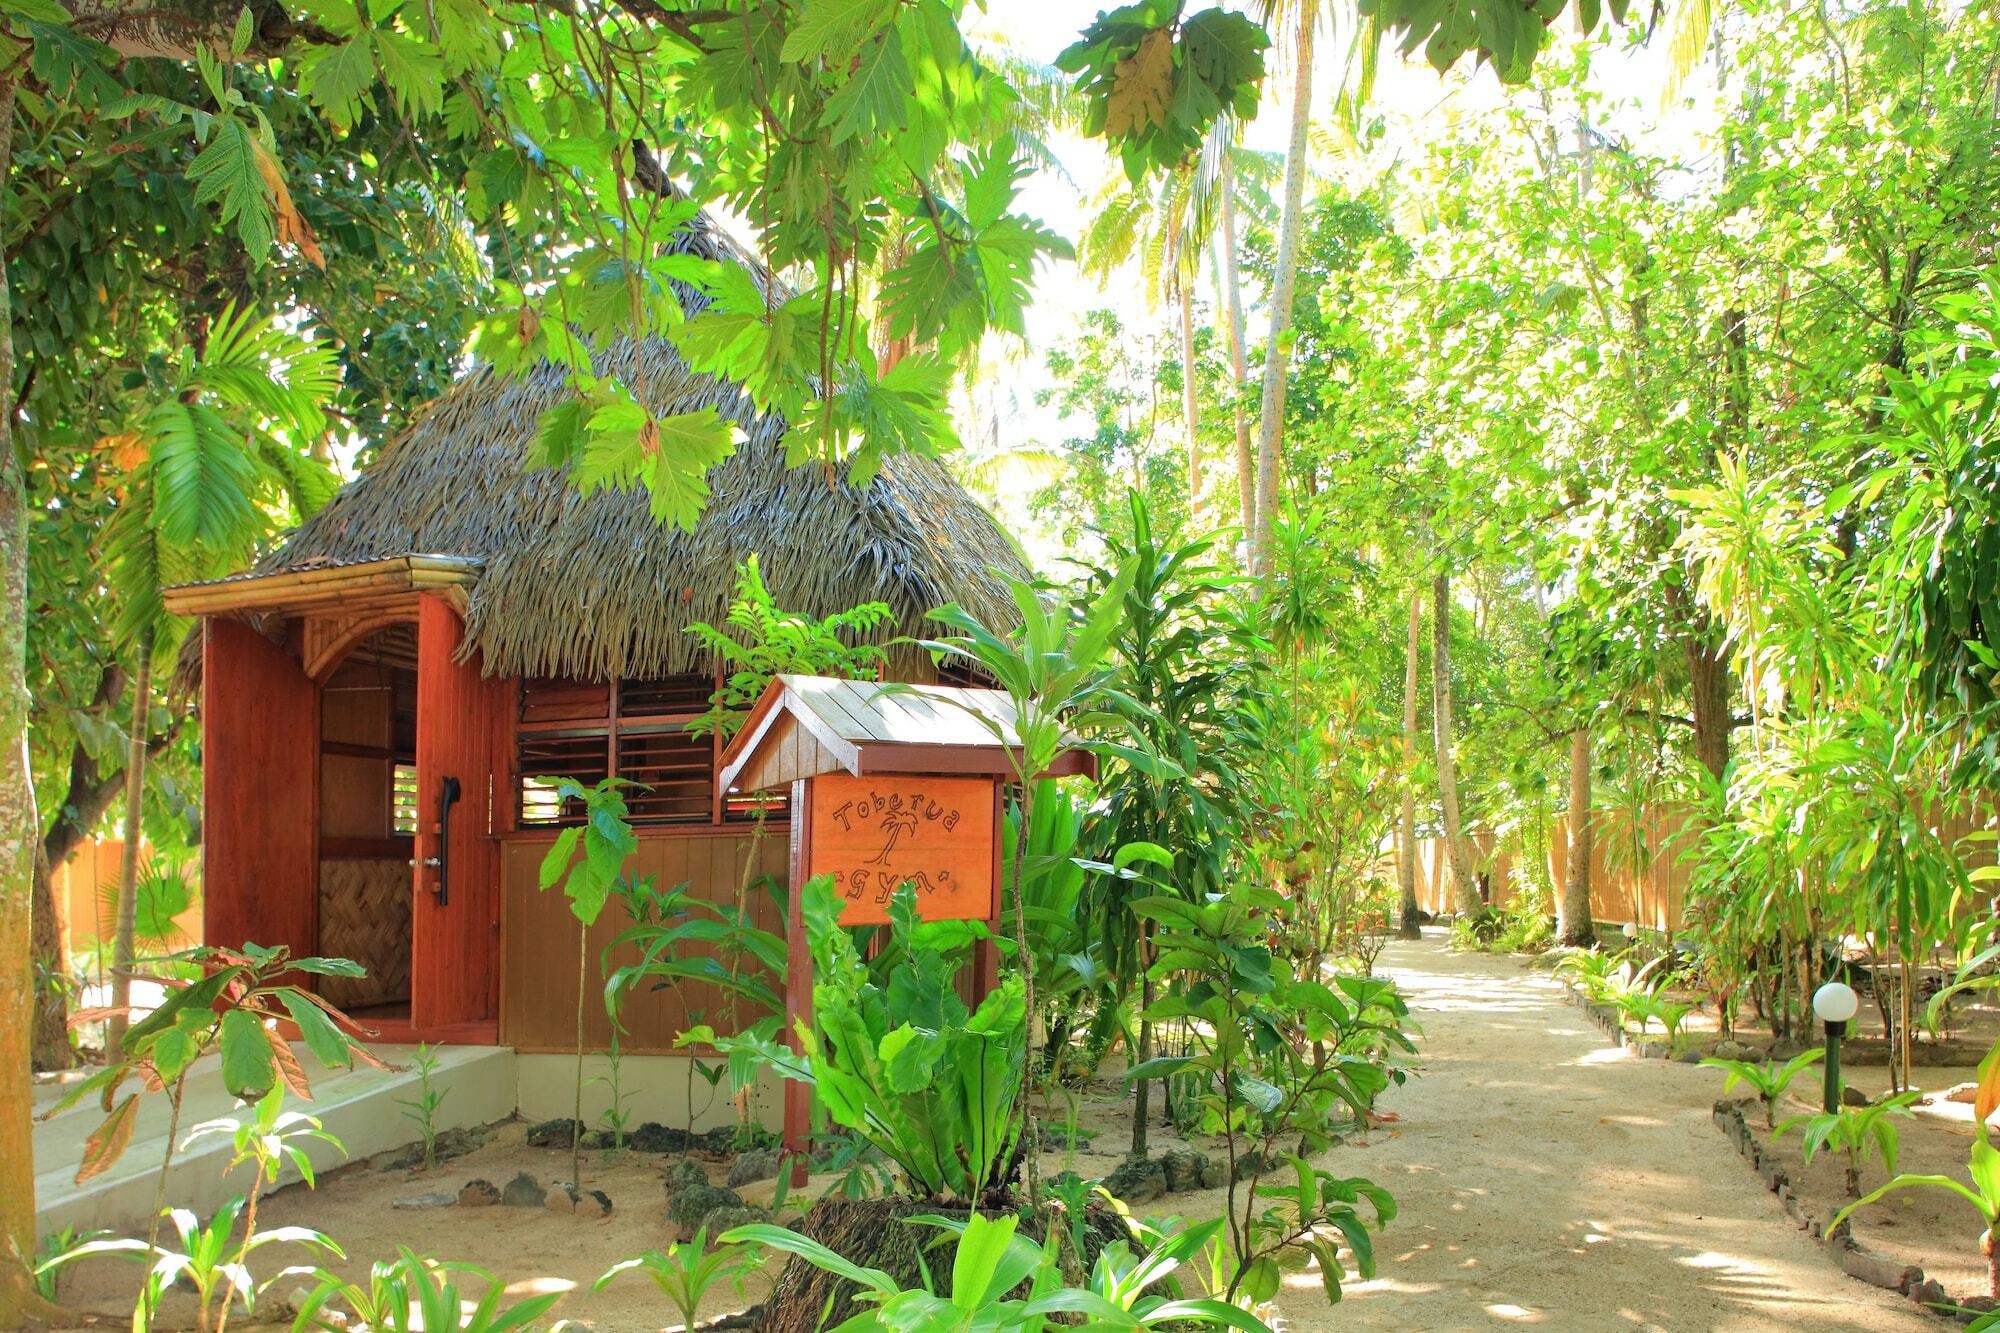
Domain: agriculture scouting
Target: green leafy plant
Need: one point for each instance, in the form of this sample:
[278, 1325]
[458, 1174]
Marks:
[767, 641]
[1983, 1193]
[1053, 672]
[991, 1260]
[1769, 1080]
[1856, 1131]
[589, 862]
[904, 1064]
[686, 1271]
[54, 1247]
[411, 1293]
[616, 1118]
[1275, 1053]
[211, 1258]
[421, 1110]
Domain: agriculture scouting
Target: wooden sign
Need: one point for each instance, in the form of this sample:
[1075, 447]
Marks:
[874, 833]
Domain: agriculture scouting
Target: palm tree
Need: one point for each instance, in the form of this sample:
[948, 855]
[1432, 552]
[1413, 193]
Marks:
[217, 459]
[1167, 231]
[1303, 17]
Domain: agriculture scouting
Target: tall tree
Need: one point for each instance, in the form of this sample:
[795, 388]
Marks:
[1573, 924]
[1406, 827]
[1305, 16]
[1458, 853]
[19, 1300]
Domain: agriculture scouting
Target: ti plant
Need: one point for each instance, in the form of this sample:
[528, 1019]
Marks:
[1983, 1193]
[1857, 1131]
[411, 1293]
[687, 1270]
[902, 1062]
[991, 1262]
[1274, 1054]
[1768, 1081]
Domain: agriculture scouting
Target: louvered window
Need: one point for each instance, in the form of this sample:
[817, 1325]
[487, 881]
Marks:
[636, 730]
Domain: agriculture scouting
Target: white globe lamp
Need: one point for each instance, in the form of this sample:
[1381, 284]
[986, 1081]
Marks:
[1834, 1004]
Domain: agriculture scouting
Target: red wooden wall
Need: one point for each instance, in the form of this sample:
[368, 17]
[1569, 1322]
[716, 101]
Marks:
[260, 792]
[455, 950]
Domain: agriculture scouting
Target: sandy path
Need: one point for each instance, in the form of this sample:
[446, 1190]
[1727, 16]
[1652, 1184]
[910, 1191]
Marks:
[1546, 1179]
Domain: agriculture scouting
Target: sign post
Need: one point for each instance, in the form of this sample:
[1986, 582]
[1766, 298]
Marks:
[890, 785]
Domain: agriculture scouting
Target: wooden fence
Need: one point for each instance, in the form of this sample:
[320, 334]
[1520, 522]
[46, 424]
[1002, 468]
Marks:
[1636, 875]
[1639, 873]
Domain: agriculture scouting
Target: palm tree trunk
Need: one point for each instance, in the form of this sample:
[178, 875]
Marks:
[1190, 401]
[1284, 283]
[19, 1301]
[1573, 924]
[1464, 895]
[1228, 277]
[1406, 867]
[128, 870]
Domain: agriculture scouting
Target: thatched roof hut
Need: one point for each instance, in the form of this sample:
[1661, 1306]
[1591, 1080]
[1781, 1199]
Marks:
[593, 585]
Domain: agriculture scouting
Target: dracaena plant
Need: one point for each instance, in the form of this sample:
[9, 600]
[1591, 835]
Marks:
[902, 1062]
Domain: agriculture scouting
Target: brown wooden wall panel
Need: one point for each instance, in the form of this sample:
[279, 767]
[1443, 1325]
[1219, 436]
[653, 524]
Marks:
[460, 714]
[539, 968]
[260, 779]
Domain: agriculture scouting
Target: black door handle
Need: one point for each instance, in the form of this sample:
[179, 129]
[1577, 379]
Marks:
[448, 794]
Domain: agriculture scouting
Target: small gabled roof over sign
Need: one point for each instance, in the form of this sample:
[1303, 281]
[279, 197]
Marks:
[802, 726]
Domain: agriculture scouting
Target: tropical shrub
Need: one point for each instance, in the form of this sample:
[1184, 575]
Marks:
[411, 1293]
[1982, 1170]
[1857, 1132]
[991, 1260]
[903, 1063]
[1274, 1055]
[1769, 1080]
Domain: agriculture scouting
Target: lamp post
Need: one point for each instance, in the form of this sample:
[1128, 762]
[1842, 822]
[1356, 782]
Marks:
[1834, 1003]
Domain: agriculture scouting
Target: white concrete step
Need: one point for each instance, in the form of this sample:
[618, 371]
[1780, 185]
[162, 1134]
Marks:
[359, 1107]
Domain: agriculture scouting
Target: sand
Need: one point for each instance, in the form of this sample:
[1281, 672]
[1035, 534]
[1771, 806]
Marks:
[1542, 1177]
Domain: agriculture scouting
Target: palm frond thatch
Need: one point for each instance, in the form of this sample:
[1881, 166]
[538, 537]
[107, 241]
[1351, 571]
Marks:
[592, 585]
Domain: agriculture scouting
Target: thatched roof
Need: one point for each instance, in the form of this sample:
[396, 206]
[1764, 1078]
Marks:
[575, 585]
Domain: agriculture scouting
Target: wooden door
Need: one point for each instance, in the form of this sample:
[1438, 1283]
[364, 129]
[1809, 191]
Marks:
[455, 946]
[260, 792]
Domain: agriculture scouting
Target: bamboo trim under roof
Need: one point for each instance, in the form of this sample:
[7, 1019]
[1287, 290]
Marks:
[593, 586]
[341, 585]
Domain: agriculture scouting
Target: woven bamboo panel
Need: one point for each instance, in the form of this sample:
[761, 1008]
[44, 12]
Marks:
[364, 914]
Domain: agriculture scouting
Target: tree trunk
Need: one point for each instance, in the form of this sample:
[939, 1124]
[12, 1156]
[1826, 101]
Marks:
[128, 869]
[1278, 351]
[51, 968]
[1464, 892]
[1229, 278]
[18, 824]
[1142, 1094]
[1708, 692]
[1190, 401]
[1406, 867]
[1573, 925]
